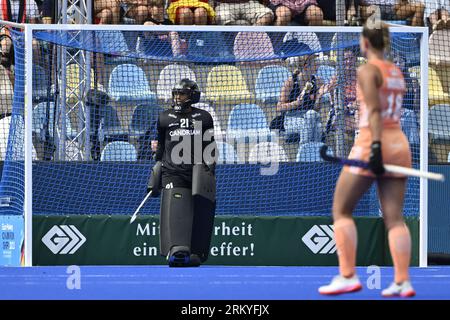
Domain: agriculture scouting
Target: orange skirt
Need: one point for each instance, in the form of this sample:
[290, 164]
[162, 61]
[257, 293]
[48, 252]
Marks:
[394, 148]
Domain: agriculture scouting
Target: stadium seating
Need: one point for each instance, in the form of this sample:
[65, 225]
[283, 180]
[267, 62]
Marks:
[115, 44]
[436, 93]
[309, 38]
[439, 123]
[40, 84]
[226, 83]
[144, 118]
[310, 152]
[269, 82]
[267, 152]
[218, 132]
[439, 53]
[227, 155]
[119, 151]
[253, 45]
[169, 77]
[110, 128]
[325, 73]
[40, 116]
[210, 47]
[247, 122]
[410, 126]
[128, 83]
[73, 74]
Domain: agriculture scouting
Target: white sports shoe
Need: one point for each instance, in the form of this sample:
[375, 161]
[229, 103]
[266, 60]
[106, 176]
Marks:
[404, 289]
[340, 285]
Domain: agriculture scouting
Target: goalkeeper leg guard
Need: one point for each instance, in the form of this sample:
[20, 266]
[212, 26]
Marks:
[204, 201]
[176, 219]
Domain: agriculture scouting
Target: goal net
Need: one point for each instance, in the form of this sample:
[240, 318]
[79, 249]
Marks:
[79, 129]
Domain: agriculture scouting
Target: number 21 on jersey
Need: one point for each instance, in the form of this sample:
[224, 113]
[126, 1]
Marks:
[184, 123]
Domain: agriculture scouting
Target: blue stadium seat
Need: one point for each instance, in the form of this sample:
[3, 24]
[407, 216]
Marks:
[267, 152]
[439, 122]
[269, 82]
[247, 117]
[310, 152]
[110, 128]
[39, 118]
[248, 122]
[210, 46]
[144, 118]
[325, 73]
[119, 151]
[399, 22]
[128, 83]
[114, 44]
[227, 155]
[410, 126]
[40, 83]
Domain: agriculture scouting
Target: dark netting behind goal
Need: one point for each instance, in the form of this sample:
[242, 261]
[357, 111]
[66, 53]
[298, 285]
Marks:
[275, 97]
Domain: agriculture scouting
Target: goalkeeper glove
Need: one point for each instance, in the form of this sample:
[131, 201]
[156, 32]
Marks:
[154, 183]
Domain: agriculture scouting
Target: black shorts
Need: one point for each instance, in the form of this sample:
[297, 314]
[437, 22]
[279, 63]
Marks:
[175, 180]
[328, 8]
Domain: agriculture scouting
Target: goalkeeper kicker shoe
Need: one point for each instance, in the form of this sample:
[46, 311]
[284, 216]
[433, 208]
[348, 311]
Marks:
[403, 289]
[340, 285]
[179, 256]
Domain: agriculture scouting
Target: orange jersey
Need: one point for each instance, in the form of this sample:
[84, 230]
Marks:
[391, 95]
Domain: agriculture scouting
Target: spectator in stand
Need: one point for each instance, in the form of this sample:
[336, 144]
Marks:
[303, 12]
[139, 10]
[299, 118]
[106, 12]
[437, 14]
[328, 8]
[160, 42]
[19, 12]
[349, 99]
[189, 12]
[243, 12]
[394, 10]
[48, 11]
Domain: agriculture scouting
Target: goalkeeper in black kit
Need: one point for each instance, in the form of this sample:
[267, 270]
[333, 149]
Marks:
[185, 172]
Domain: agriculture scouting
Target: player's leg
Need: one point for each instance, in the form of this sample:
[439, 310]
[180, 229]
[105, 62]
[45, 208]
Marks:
[392, 192]
[187, 217]
[407, 10]
[204, 199]
[176, 216]
[349, 189]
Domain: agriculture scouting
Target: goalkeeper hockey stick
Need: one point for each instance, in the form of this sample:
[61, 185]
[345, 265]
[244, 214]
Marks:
[135, 214]
[388, 167]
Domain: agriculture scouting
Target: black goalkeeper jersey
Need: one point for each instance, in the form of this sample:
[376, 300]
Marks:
[185, 139]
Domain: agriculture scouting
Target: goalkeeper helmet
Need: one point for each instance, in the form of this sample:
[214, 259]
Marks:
[189, 88]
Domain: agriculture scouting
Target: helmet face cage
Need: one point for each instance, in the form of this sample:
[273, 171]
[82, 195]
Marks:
[188, 87]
